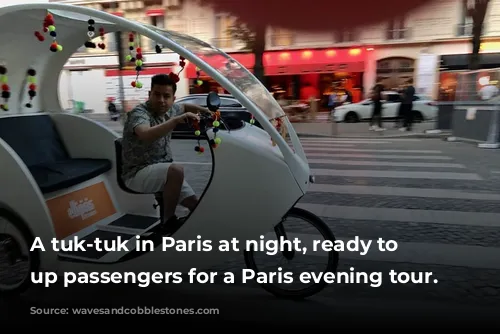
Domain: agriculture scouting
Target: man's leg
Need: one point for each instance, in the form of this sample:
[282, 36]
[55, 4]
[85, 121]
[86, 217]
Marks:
[165, 177]
[188, 198]
[172, 190]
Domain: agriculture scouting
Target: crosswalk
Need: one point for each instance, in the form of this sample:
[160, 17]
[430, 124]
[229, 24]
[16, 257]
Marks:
[356, 175]
[443, 214]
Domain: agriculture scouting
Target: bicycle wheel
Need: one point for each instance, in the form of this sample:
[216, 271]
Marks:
[314, 222]
[16, 261]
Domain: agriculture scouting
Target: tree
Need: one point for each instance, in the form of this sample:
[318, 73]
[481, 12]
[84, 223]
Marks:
[254, 40]
[477, 11]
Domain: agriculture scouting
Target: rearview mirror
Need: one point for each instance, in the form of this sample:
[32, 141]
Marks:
[213, 101]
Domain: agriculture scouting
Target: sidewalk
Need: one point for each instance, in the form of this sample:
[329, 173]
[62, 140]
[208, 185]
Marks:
[321, 127]
[357, 130]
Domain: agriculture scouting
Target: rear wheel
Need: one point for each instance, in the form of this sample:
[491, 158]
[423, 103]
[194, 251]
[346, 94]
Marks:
[16, 261]
[306, 234]
[418, 116]
[351, 117]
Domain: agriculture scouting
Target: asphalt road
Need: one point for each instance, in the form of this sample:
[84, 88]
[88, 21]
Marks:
[438, 200]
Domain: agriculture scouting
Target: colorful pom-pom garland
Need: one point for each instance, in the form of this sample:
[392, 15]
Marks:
[214, 142]
[31, 86]
[4, 79]
[198, 82]
[136, 57]
[91, 34]
[49, 26]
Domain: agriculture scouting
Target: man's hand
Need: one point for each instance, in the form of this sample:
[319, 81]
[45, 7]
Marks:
[187, 116]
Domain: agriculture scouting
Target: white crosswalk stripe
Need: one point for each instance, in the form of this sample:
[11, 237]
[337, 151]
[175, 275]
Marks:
[360, 170]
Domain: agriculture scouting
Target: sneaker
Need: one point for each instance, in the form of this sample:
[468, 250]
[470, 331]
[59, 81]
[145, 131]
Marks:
[372, 128]
[402, 129]
[172, 224]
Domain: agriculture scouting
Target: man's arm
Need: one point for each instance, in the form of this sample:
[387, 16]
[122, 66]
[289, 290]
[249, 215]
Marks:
[194, 108]
[140, 124]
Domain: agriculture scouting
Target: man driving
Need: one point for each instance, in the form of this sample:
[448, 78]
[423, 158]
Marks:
[147, 157]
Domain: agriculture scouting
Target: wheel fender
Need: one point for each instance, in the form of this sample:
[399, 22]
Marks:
[24, 200]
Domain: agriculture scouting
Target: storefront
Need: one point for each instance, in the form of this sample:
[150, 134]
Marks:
[94, 79]
[322, 71]
[452, 65]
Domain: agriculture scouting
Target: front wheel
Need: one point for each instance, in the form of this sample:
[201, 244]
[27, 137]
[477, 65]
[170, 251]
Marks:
[16, 261]
[308, 236]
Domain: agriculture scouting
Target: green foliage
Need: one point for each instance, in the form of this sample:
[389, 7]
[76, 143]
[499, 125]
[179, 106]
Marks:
[241, 32]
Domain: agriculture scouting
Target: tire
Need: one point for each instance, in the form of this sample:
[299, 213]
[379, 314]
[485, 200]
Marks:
[333, 259]
[351, 117]
[24, 236]
[418, 117]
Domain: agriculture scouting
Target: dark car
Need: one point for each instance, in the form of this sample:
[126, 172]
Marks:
[233, 114]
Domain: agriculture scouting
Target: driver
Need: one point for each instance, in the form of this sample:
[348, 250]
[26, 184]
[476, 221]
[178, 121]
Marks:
[147, 157]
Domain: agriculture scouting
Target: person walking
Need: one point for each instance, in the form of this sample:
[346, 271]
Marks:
[376, 119]
[407, 106]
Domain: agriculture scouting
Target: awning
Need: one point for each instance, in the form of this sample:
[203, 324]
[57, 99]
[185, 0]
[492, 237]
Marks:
[155, 12]
[313, 61]
[296, 62]
[461, 61]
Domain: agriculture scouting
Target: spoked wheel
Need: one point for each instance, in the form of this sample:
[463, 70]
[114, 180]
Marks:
[16, 261]
[306, 227]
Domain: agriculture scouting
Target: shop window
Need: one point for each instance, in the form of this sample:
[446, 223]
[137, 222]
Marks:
[222, 38]
[464, 27]
[345, 36]
[281, 37]
[396, 29]
[392, 73]
[158, 22]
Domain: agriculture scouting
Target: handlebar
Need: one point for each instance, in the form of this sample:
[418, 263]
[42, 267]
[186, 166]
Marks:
[206, 121]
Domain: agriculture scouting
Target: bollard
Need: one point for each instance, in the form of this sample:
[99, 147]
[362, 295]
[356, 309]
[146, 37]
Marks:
[492, 141]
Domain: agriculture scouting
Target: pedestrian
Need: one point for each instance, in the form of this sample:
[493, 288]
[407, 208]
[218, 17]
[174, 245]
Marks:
[377, 109]
[407, 106]
[400, 116]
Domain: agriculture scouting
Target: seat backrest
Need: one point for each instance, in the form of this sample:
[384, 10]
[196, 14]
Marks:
[119, 162]
[34, 138]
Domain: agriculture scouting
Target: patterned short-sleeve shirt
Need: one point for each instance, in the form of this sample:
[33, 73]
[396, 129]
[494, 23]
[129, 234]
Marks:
[138, 154]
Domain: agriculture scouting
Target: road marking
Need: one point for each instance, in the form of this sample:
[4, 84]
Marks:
[401, 191]
[359, 140]
[410, 252]
[335, 149]
[379, 156]
[385, 163]
[404, 215]
[397, 174]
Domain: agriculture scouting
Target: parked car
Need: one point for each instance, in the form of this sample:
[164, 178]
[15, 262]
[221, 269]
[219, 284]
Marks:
[423, 107]
[233, 114]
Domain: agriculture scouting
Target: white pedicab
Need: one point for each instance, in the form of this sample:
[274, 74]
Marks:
[60, 175]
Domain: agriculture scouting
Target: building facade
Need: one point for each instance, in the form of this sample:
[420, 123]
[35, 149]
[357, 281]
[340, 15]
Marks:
[427, 45]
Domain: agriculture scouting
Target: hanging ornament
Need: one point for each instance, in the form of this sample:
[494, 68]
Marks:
[198, 82]
[101, 45]
[49, 26]
[5, 88]
[138, 68]
[158, 48]
[31, 86]
[90, 35]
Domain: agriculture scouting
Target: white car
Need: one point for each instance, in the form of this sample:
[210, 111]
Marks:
[423, 106]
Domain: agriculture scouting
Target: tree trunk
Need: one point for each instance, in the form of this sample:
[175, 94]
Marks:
[258, 50]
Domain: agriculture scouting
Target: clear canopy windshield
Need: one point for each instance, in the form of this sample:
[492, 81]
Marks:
[229, 68]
